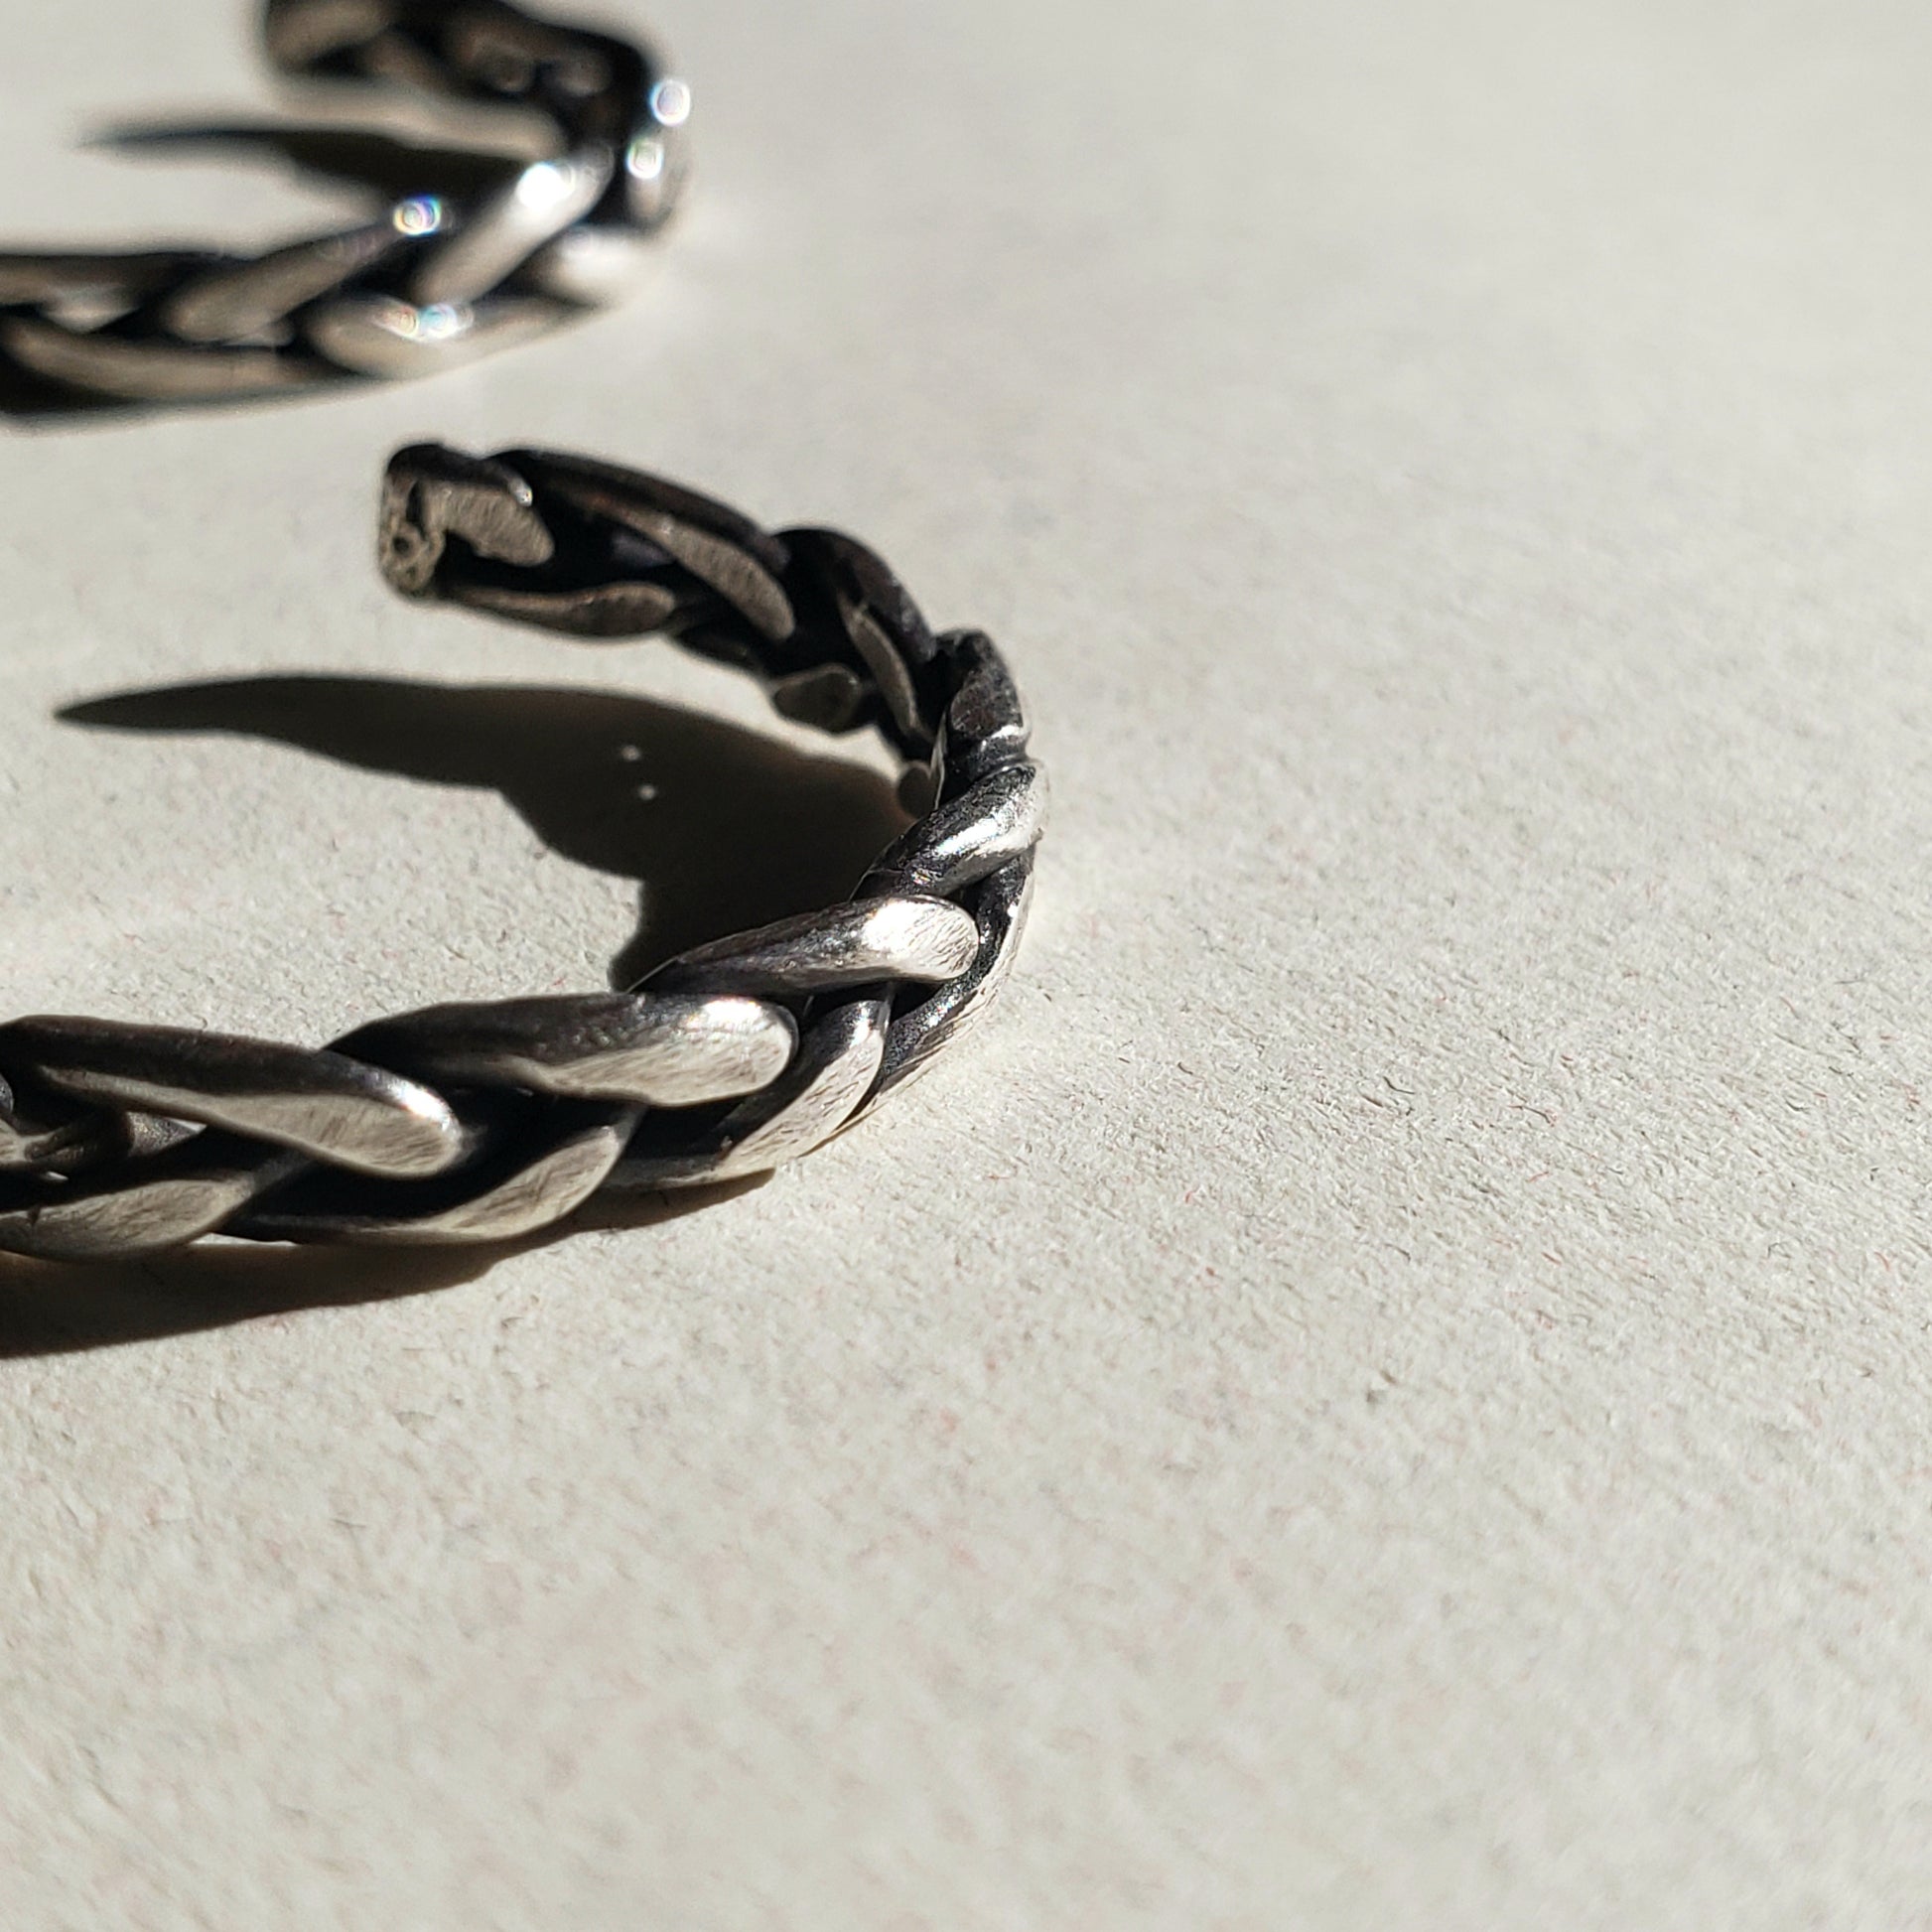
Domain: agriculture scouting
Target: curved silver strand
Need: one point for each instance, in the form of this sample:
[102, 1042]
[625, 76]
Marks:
[441, 277]
[490, 1122]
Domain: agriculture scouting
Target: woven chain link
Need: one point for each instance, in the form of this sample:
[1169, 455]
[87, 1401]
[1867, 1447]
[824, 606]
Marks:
[439, 278]
[486, 1122]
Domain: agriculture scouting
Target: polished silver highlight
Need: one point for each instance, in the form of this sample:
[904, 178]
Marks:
[439, 276]
[925, 939]
[923, 1029]
[492, 1122]
[145, 1204]
[1002, 817]
[651, 1052]
[325, 1105]
[556, 1170]
[821, 1090]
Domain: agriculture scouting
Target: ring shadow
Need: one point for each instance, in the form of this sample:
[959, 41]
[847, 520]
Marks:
[721, 827]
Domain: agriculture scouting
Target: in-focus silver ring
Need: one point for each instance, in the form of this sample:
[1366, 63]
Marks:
[439, 276]
[486, 1122]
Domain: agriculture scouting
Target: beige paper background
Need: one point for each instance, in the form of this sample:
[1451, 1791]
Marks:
[1389, 1386]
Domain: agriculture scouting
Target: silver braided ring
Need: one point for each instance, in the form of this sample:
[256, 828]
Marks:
[474, 1123]
[440, 277]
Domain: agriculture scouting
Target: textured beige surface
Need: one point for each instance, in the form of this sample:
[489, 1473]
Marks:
[1390, 1387]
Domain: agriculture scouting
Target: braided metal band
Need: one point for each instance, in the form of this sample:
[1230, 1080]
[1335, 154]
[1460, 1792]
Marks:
[438, 279]
[468, 1123]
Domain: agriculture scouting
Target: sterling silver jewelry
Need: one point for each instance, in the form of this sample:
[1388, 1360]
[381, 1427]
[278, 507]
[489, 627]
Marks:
[472, 1123]
[439, 278]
